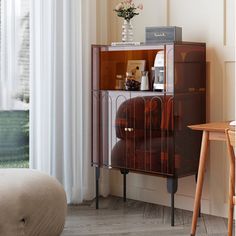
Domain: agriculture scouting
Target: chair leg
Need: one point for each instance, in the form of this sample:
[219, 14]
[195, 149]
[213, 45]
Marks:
[231, 204]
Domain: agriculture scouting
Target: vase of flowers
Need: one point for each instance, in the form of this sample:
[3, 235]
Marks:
[127, 10]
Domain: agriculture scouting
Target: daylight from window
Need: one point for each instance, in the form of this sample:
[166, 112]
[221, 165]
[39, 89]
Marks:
[14, 83]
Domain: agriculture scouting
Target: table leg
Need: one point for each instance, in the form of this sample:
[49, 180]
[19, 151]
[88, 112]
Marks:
[201, 171]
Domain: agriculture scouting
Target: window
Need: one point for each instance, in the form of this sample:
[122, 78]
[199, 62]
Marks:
[14, 82]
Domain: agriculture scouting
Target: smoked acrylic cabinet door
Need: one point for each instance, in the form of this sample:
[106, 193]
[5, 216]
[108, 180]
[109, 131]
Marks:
[135, 131]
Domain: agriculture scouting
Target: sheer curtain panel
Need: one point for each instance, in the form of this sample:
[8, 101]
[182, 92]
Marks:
[56, 118]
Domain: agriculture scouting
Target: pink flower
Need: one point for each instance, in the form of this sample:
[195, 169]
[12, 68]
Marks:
[128, 1]
[140, 6]
[119, 7]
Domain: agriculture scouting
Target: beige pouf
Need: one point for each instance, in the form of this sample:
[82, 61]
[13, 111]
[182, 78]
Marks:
[31, 204]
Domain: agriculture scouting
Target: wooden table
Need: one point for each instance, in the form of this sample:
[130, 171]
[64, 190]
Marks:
[211, 131]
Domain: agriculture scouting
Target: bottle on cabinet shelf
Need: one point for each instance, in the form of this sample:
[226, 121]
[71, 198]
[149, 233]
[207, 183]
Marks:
[144, 81]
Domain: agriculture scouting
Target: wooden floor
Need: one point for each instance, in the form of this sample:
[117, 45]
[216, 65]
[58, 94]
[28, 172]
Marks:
[135, 218]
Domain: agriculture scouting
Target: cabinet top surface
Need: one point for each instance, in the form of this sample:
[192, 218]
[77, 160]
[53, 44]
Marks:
[144, 46]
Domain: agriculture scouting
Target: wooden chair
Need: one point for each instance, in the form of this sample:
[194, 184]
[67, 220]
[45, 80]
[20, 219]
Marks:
[230, 134]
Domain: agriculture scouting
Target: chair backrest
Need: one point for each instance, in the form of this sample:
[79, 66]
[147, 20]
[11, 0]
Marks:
[231, 137]
[230, 134]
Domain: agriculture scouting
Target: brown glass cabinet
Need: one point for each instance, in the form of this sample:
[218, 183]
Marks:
[146, 131]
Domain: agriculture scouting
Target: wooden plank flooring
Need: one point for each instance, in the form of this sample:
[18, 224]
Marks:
[134, 218]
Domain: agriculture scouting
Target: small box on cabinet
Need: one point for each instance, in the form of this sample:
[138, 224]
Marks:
[163, 34]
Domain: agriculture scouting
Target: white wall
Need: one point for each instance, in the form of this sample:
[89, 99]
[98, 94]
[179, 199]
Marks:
[210, 21]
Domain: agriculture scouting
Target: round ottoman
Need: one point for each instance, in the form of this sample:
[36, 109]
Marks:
[31, 204]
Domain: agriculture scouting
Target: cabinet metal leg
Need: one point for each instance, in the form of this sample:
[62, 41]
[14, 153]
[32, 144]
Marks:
[199, 212]
[124, 187]
[124, 172]
[97, 186]
[172, 209]
[172, 186]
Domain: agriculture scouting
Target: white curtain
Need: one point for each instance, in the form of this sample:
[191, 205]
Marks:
[57, 133]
